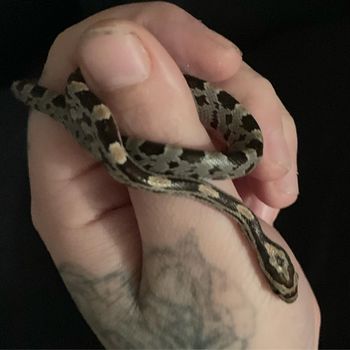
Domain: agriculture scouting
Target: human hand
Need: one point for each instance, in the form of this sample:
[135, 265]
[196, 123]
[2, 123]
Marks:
[156, 271]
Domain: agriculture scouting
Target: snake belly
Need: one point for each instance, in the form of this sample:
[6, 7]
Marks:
[170, 169]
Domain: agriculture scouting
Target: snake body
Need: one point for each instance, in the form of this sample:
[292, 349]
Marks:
[169, 169]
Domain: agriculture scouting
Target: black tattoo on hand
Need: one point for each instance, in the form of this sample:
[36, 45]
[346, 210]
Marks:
[177, 306]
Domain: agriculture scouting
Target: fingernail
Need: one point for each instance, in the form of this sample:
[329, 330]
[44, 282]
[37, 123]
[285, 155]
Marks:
[288, 184]
[260, 209]
[276, 150]
[114, 58]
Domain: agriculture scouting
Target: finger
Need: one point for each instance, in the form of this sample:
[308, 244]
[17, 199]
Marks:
[284, 191]
[279, 159]
[258, 96]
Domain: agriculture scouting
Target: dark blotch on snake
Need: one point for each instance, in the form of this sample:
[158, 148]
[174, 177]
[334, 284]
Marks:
[104, 159]
[238, 157]
[76, 76]
[227, 134]
[173, 165]
[147, 166]
[59, 101]
[214, 170]
[227, 100]
[137, 157]
[85, 118]
[151, 148]
[107, 132]
[242, 137]
[21, 84]
[88, 139]
[88, 100]
[257, 146]
[194, 83]
[191, 155]
[214, 122]
[228, 118]
[193, 176]
[38, 91]
[249, 169]
[249, 123]
[201, 100]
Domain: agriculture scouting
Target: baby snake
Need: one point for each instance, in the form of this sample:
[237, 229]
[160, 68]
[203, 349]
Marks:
[169, 169]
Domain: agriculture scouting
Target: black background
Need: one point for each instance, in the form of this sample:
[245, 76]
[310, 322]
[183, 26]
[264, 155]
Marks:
[302, 47]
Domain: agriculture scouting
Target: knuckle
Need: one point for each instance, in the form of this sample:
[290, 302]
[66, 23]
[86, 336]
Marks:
[60, 39]
[260, 89]
[168, 10]
[290, 131]
[292, 199]
[36, 217]
[168, 7]
[317, 314]
[132, 112]
[289, 123]
[264, 84]
[60, 44]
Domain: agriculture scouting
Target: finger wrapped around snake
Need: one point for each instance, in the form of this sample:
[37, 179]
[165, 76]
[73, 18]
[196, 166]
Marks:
[170, 169]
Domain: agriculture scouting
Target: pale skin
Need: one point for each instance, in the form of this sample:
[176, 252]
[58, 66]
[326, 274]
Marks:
[157, 271]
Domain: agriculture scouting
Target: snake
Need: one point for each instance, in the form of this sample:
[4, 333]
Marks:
[168, 168]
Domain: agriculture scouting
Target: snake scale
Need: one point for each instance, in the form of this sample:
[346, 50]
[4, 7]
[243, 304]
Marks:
[169, 169]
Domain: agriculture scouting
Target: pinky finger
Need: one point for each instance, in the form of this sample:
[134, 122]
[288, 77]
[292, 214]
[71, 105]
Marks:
[281, 192]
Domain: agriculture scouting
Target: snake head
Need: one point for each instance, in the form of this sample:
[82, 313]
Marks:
[279, 270]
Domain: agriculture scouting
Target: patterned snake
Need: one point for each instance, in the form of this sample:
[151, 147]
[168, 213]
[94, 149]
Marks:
[169, 169]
